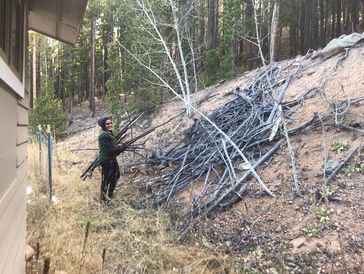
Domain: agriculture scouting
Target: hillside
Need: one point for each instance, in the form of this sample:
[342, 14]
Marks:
[320, 230]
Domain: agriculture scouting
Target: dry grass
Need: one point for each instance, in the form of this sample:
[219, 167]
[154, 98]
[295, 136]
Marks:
[133, 240]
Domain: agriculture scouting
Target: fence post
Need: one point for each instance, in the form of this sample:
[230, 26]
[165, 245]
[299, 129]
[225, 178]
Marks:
[49, 162]
[39, 138]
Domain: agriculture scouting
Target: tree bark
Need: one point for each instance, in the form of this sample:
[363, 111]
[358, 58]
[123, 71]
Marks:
[33, 89]
[92, 67]
[106, 38]
[249, 13]
[333, 20]
[274, 32]
[338, 18]
[233, 58]
[201, 34]
[212, 24]
[37, 69]
[354, 15]
[362, 14]
[307, 27]
[314, 24]
[322, 23]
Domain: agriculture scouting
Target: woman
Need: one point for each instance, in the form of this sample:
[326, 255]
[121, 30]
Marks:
[109, 150]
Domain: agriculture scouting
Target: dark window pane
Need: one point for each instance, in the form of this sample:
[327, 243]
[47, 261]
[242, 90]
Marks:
[11, 34]
[2, 23]
[16, 42]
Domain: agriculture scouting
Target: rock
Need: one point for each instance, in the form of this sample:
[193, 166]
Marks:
[289, 261]
[29, 253]
[335, 198]
[330, 166]
[297, 243]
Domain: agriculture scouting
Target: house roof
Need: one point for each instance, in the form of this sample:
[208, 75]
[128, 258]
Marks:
[59, 19]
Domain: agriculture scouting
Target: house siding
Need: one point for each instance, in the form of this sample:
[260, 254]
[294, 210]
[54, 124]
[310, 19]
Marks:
[14, 105]
[13, 177]
[8, 124]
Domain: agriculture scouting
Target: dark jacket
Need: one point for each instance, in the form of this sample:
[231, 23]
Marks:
[108, 146]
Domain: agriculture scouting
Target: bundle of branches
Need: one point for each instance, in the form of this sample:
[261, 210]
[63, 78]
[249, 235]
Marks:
[250, 121]
[119, 137]
[128, 144]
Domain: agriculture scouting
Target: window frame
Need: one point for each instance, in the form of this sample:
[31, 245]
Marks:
[12, 50]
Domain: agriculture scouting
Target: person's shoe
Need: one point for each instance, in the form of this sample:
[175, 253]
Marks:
[118, 185]
[104, 199]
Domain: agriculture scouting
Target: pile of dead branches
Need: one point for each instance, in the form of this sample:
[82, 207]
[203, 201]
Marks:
[254, 122]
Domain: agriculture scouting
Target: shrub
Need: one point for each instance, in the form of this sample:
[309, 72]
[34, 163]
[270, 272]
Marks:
[310, 230]
[323, 214]
[48, 110]
[339, 146]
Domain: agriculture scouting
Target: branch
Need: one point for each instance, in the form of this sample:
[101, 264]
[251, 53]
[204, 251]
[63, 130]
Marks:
[342, 164]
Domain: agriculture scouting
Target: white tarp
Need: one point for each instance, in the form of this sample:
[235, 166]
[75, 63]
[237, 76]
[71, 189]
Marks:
[336, 45]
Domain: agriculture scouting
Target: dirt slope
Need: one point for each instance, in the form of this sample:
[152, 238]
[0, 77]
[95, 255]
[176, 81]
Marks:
[285, 233]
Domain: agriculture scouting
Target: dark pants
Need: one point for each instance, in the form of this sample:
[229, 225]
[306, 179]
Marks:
[110, 175]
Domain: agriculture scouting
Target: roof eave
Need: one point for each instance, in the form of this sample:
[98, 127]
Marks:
[58, 19]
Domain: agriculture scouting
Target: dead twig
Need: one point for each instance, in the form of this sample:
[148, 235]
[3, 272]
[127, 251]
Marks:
[344, 56]
[341, 165]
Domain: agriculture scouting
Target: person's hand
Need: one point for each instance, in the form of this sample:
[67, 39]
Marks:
[121, 147]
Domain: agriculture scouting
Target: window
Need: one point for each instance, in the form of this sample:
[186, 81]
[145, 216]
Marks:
[3, 18]
[12, 34]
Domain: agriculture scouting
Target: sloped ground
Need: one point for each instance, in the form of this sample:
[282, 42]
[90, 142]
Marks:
[318, 232]
[287, 232]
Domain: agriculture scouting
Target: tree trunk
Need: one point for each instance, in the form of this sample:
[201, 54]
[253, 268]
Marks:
[362, 14]
[274, 32]
[307, 27]
[233, 58]
[322, 23]
[302, 26]
[314, 24]
[37, 69]
[34, 72]
[338, 18]
[249, 13]
[201, 34]
[106, 39]
[212, 24]
[333, 20]
[354, 15]
[92, 67]
[106, 73]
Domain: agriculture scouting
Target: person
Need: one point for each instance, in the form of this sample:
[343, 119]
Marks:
[108, 151]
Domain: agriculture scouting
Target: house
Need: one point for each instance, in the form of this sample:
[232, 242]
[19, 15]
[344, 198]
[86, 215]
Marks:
[59, 19]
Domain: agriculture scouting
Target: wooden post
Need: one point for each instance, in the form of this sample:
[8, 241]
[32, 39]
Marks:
[47, 264]
[37, 252]
[103, 259]
[39, 139]
[49, 137]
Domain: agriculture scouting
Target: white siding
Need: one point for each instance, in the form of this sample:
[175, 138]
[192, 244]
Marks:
[8, 139]
[13, 233]
[13, 173]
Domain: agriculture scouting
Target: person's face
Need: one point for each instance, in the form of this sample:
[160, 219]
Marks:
[108, 125]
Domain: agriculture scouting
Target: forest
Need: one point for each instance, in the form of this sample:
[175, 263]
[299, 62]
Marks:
[244, 141]
[137, 54]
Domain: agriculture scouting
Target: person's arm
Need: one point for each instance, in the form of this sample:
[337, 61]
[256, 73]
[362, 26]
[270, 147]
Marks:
[108, 147]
